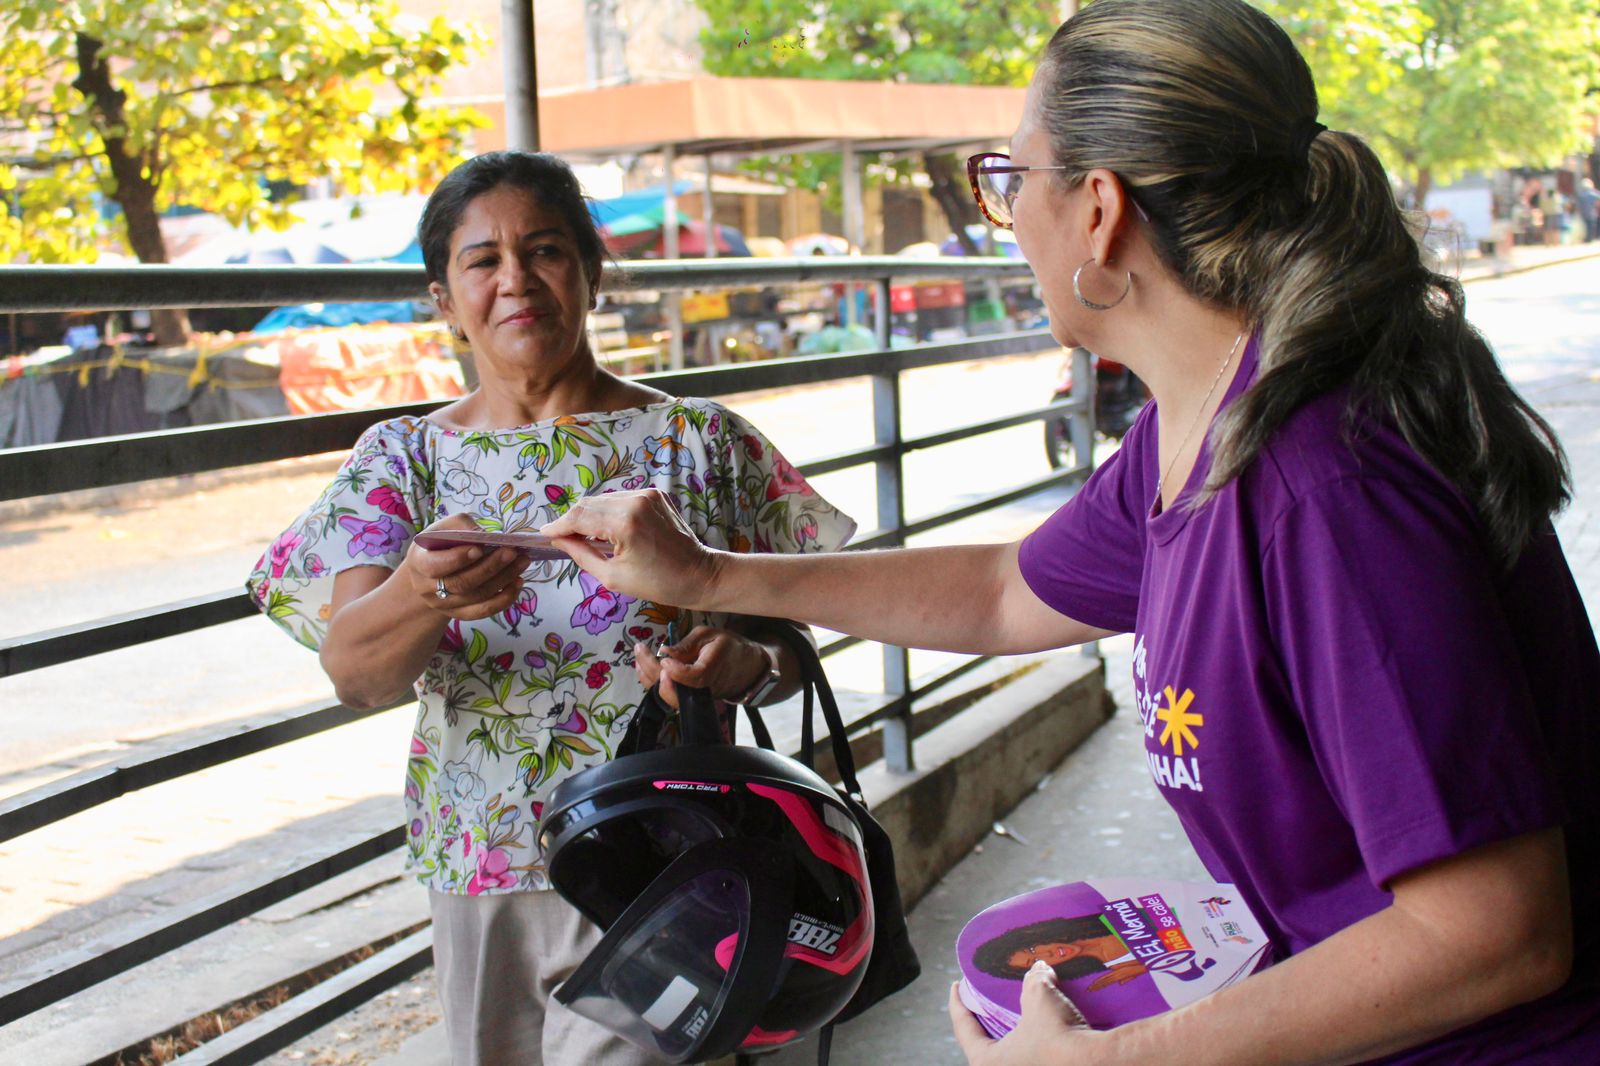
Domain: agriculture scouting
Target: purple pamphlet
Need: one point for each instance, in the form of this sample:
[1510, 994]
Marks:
[1122, 948]
[536, 546]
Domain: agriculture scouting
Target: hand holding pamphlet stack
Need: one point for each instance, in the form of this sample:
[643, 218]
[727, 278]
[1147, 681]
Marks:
[1122, 948]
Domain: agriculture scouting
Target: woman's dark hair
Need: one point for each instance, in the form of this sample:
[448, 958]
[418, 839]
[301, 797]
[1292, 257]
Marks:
[547, 177]
[993, 957]
[1206, 111]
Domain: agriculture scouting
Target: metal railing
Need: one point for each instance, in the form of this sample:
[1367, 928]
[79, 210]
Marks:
[46, 469]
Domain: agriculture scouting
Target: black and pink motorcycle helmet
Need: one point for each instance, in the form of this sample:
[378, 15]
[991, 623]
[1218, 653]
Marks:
[732, 888]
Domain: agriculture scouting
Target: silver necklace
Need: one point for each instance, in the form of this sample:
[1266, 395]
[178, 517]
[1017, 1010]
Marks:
[1184, 443]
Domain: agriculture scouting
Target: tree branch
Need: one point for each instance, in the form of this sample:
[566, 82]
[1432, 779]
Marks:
[38, 163]
[55, 120]
[249, 83]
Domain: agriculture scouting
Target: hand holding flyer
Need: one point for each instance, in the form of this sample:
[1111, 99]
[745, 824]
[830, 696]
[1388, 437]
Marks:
[1121, 948]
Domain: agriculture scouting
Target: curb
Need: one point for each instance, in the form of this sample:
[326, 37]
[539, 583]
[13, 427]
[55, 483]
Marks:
[1503, 269]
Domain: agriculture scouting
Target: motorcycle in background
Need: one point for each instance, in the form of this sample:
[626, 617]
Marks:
[1119, 396]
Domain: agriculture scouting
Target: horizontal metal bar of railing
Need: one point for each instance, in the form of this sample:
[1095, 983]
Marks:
[53, 468]
[929, 687]
[992, 425]
[134, 288]
[281, 1026]
[845, 460]
[38, 807]
[889, 538]
[44, 469]
[35, 651]
[117, 952]
[901, 704]
[1064, 476]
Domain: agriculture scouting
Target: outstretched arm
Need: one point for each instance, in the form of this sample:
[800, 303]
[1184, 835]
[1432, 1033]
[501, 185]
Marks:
[967, 598]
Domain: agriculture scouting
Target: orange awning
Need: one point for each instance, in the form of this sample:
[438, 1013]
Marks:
[707, 114]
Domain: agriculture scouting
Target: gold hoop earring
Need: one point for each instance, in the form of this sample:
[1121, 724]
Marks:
[1077, 289]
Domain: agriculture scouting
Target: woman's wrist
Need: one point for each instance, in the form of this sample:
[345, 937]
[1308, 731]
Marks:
[766, 680]
[715, 577]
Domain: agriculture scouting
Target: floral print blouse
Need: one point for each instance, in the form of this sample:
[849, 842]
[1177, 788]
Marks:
[513, 704]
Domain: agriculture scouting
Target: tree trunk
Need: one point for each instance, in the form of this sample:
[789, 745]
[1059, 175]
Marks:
[1424, 186]
[134, 177]
[952, 192]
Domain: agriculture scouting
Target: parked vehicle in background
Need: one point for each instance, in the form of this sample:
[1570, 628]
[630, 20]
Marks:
[1119, 396]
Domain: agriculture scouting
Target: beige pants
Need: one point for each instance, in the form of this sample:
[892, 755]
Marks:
[498, 960]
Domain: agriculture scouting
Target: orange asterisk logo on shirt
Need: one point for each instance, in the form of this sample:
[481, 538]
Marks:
[1178, 719]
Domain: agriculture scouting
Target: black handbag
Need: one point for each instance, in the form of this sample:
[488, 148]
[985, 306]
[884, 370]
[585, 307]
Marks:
[894, 963]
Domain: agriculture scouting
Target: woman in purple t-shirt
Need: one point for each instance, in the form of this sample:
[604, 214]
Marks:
[1368, 683]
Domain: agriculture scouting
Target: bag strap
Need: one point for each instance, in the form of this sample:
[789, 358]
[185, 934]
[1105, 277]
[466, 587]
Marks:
[697, 717]
[644, 728]
[814, 679]
[758, 728]
[697, 721]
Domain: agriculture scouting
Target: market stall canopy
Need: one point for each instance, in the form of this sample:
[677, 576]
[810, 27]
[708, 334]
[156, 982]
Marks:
[706, 114]
[630, 205]
[643, 235]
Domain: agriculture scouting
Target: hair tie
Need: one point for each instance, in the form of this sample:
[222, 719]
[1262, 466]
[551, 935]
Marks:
[1301, 135]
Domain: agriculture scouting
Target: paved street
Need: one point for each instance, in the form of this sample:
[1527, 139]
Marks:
[1097, 814]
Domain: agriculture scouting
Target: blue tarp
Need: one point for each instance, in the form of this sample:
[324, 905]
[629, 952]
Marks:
[633, 203]
[307, 316]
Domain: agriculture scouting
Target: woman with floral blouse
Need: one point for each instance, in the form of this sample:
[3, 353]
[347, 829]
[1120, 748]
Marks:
[523, 673]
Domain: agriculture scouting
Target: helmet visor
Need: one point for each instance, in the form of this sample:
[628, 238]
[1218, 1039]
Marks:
[664, 976]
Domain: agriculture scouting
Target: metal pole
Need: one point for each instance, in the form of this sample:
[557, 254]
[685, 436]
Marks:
[709, 215]
[891, 515]
[594, 39]
[1081, 422]
[669, 232]
[854, 231]
[522, 79]
[669, 203]
[882, 323]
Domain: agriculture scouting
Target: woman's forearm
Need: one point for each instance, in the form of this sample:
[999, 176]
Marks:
[966, 598]
[379, 639]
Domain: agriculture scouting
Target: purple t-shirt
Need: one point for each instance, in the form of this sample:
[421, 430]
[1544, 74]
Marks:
[1339, 685]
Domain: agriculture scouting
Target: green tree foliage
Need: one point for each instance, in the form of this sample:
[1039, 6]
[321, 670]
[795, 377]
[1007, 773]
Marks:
[969, 42]
[202, 103]
[1443, 86]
